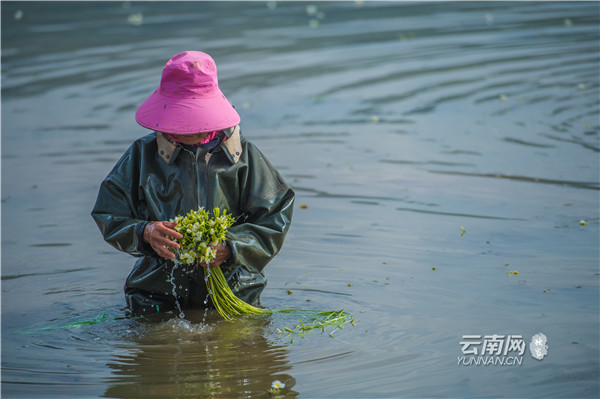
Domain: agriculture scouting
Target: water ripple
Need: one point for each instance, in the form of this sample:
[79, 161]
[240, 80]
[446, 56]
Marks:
[528, 179]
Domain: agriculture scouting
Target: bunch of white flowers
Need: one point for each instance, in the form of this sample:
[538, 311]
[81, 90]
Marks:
[201, 233]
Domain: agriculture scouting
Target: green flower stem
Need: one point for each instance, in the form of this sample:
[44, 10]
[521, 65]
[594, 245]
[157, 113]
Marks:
[223, 299]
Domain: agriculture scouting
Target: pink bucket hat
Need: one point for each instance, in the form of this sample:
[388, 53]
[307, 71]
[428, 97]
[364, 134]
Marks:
[188, 99]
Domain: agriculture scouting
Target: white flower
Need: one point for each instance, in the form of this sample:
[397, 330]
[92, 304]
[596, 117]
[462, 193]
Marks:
[277, 384]
[187, 258]
[210, 253]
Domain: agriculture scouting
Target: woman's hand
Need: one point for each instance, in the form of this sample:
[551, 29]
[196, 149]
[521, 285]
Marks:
[223, 254]
[158, 235]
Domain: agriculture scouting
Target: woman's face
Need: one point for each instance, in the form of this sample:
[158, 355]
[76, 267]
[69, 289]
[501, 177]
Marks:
[190, 139]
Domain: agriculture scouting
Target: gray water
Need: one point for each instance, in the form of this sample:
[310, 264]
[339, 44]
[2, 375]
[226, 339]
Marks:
[396, 123]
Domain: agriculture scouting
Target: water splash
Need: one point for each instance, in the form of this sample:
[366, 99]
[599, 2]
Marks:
[183, 328]
[174, 290]
[208, 294]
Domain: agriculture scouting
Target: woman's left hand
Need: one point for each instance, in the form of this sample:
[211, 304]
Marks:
[223, 254]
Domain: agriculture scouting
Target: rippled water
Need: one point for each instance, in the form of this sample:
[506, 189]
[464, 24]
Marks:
[396, 123]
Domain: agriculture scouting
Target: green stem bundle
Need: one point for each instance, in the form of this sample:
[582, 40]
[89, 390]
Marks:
[223, 299]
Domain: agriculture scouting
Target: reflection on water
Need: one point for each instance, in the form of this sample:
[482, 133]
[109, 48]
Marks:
[397, 123]
[178, 358]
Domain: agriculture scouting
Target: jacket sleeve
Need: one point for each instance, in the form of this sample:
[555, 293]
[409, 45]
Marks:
[268, 203]
[115, 211]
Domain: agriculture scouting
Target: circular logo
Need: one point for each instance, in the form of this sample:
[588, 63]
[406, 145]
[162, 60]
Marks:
[538, 347]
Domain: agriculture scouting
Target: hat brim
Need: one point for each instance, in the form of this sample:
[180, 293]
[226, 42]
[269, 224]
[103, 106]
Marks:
[201, 114]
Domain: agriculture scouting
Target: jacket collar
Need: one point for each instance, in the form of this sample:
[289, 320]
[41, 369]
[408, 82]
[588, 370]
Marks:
[234, 144]
[168, 150]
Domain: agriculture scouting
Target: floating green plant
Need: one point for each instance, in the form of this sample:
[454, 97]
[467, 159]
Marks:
[75, 324]
[317, 321]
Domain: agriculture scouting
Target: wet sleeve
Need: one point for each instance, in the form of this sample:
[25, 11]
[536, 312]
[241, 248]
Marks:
[143, 247]
[268, 207]
[115, 210]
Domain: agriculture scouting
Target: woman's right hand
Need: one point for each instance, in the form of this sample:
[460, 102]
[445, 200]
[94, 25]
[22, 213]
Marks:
[159, 234]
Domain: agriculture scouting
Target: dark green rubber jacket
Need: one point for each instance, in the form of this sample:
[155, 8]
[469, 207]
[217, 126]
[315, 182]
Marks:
[157, 179]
